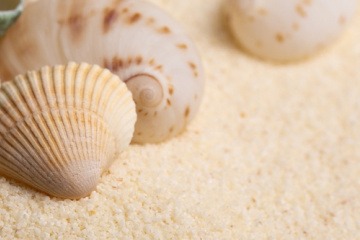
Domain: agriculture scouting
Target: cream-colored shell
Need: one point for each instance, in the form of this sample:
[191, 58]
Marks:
[62, 126]
[285, 30]
[134, 39]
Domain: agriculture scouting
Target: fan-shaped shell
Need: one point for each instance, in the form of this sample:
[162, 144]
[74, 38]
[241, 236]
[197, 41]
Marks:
[62, 126]
[134, 39]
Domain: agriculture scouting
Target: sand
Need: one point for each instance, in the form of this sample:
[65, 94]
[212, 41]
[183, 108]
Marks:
[272, 154]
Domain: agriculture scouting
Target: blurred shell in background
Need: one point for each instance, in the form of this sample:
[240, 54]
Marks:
[284, 30]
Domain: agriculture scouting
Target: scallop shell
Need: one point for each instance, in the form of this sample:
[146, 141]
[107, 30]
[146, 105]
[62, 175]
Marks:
[62, 126]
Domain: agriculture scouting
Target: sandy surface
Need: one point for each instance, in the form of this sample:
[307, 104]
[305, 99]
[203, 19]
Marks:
[273, 154]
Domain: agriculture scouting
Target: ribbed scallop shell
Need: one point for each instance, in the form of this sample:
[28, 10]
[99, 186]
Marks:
[62, 126]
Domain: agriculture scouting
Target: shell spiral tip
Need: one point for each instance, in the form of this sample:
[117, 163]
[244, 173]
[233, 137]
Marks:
[146, 89]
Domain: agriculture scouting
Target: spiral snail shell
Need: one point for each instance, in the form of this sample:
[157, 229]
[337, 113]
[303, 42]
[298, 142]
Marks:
[134, 39]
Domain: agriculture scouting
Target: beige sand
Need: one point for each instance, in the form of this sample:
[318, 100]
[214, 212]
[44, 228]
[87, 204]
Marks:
[273, 154]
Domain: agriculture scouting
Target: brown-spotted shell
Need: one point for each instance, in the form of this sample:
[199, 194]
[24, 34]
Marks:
[288, 30]
[134, 39]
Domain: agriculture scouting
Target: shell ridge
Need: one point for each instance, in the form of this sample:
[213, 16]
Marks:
[107, 139]
[102, 85]
[127, 125]
[12, 172]
[94, 127]
[54, 141]
[78, 102]
[111, 99]
[126, 104]
[48, 115]
[91, 82]
[8, 153]
[16, 99]
[58, 74]
[88, 133]
[69, 115]
[41, 132]
[60, 135]
[99, 138]
[24, 85]
[90, 143]
[10, 148]
[109, 149]
[96, 103]
[8, 104]
[21, 134]
[78, 96]
[40, 144]
[43, 122]
[30, 144]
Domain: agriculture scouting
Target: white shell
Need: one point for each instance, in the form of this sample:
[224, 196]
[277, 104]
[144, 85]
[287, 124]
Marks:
[134, 39]
[62, 126]
[286, 30]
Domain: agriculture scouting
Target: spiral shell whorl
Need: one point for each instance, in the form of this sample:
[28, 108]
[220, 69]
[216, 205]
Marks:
[147, 91]
[131, 39]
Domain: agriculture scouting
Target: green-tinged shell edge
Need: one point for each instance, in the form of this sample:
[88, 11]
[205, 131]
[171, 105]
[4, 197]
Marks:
[9, 14]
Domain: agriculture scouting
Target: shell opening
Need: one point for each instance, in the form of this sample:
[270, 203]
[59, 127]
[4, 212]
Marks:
[146, 89]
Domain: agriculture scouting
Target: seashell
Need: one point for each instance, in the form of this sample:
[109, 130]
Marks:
[134, 39]
[286, 30]
[10, 10]
[62, 126]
